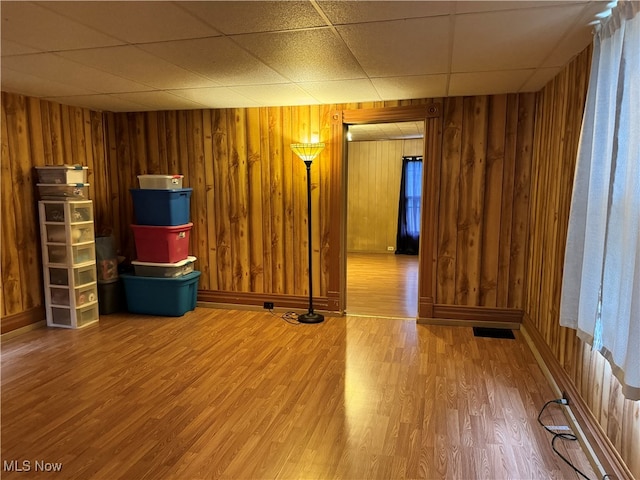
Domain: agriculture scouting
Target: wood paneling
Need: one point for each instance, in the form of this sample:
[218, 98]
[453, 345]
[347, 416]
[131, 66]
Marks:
[484, 200]
[374, 170]
[34, 133]
[557, 128]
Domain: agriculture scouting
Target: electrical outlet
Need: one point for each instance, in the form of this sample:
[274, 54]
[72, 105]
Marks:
[390, 249]
[268, 305]
[565, 397]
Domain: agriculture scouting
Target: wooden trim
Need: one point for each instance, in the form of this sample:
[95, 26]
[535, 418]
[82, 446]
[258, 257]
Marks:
[604, 451]
[429, 221]
[476, 314]
[431, 114]
[258, 299]
[337, 256]
[392, 114]
[22, 319]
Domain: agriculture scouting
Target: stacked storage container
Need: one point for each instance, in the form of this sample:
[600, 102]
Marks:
[165, 282]
[68, 247]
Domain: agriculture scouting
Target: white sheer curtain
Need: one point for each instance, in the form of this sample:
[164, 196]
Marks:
[601, 282]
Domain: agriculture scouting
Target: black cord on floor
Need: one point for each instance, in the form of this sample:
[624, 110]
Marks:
[562, 436]
[289, 317]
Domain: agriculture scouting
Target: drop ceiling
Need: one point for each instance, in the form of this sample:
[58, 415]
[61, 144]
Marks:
[135, 56]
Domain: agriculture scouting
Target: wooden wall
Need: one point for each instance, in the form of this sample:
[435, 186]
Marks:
[483, 202]
[373, 189]
[249, 202]
[36, 132]
[558, 120]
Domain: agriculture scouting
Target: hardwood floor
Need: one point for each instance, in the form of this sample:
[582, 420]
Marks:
[245, 395]
[381, 284]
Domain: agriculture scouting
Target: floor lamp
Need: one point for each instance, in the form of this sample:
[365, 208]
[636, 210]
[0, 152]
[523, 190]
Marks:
[307, 152]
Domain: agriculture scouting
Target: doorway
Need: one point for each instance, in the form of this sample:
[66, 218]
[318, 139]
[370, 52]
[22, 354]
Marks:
[431, 115]
[379, 282]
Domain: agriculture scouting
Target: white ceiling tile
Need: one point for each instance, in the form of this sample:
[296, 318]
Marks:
[418, 86]
[508, 40]
[53, 67]
[27, 84]
[341, 91]
[275, 95]
[158, 100]
[303, 56]
[400, 47]
[486, 83]
[215, 97]
[577, 39]
[36, 27]
[99, 102]
[139, 66]
[346, 12]
[217, 58]
[13, 48]
[539, 79]
[135, 22]
[255, 16]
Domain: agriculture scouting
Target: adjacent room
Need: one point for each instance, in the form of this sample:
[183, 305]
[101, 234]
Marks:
[320, 239]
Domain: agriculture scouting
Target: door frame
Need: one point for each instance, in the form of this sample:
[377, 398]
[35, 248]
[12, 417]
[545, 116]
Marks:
[431, 114]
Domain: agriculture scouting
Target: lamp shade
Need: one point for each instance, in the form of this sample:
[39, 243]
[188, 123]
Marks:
[307, 151]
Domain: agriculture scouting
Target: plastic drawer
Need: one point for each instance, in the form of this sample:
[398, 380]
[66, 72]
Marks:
[62, 174]
[78, 211]
[57, 254]
[63, 317]
[70, 191]
[79, 233]
[79, 275]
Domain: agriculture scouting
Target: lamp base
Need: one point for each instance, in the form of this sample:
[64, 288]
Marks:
[310, 318]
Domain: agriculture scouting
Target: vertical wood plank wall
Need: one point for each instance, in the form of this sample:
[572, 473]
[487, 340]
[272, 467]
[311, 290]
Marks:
[558, 120]
[484, 200]
[35, 133]
[374, 171]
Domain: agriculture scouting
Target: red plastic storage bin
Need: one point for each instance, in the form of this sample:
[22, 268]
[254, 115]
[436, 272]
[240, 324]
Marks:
[162, 244]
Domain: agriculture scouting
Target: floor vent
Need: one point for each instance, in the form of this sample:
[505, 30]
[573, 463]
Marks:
[493, 332]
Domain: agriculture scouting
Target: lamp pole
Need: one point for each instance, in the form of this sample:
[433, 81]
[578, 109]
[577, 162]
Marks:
[310, 316]
[307, 152]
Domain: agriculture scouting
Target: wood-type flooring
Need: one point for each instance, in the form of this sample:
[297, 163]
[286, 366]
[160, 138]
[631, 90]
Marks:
[221, 394]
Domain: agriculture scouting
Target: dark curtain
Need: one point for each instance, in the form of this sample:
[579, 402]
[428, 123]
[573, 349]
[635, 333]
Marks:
[408, 239]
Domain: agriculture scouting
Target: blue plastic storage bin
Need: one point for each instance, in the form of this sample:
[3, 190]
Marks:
[161, 207]
[167, 297]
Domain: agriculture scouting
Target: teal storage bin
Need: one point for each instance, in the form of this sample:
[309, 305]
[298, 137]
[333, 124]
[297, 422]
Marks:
[167, 297]
[161, 207]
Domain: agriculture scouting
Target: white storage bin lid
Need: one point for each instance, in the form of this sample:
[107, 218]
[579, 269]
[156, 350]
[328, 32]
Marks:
[181, 263]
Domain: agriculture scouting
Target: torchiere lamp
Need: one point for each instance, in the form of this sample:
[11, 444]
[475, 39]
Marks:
[307, 152]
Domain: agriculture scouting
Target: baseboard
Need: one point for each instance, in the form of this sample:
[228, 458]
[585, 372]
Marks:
[280, 301]
[476, 316]
[22, 319]
[604, 456]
